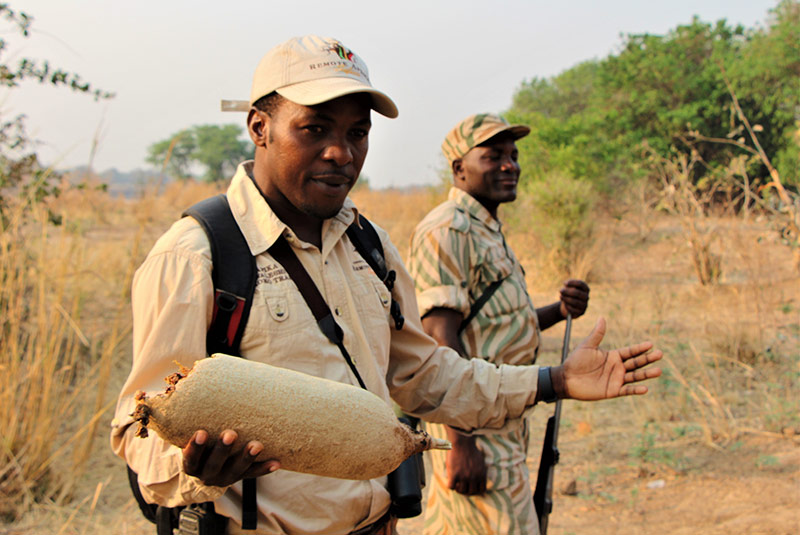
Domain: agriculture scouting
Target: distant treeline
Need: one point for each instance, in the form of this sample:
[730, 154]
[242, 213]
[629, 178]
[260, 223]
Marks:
[667, 95]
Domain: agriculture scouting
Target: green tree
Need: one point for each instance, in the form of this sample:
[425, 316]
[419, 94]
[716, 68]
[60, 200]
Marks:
[662, 87]
[174, 155]
[560, 97]
[766, 79]
[670, 91]
[217, 148]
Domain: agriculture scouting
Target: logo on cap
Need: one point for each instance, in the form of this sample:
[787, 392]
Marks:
[341, 51]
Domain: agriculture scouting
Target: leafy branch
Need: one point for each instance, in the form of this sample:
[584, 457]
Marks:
[23, 180]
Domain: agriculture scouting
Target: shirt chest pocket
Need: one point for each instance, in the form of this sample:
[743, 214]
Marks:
[372, 301]
[278, 310]
[511, 296]
[282, 331]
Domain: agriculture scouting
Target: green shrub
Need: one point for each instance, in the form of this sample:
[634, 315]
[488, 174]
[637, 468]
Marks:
[562, 213]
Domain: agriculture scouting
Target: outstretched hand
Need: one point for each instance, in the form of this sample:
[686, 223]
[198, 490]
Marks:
[590, 373]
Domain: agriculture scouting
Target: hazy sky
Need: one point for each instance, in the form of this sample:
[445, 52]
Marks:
[171, 61]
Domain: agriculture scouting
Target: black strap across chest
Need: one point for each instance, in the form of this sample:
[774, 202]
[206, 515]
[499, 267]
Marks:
[282, 252]
[479, 302]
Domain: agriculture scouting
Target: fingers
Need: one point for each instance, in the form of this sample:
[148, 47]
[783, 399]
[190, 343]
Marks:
[642, 375]
[633, 390]
[596, 336]
[574, 298]
[477, 483]
[636, 350]
[218, 455]
[244, 464]
[636, 370]
[193, 453]
[261, 469]
[215, 463]
[576, 285]
[634, 362]
[472, 485]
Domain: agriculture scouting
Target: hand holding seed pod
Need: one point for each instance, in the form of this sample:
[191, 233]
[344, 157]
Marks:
[308, 423]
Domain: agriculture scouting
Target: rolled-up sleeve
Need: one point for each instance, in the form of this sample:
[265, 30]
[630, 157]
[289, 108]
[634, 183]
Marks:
[437, 385]
[440, 266]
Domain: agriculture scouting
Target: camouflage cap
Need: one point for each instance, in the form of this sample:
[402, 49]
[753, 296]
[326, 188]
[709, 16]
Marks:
[476, 129]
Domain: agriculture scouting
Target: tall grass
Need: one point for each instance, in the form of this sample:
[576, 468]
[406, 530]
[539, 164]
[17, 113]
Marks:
[398, 212]
[54, 373]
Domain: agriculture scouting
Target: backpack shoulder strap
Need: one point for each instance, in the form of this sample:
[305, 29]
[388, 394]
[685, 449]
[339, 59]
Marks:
[368, 244]
[234, 274]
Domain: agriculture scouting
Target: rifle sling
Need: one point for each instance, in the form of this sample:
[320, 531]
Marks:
[478, 304]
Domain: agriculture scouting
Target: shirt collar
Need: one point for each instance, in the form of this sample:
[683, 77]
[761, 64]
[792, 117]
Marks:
[474, 208]
[259, 224]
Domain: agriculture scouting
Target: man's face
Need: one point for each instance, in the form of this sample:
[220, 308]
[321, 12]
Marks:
[490, 171]
[312, 154]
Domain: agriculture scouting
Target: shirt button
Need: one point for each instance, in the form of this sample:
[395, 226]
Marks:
[337, 311]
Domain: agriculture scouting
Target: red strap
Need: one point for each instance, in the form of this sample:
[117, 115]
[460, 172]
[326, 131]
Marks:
[235, 315]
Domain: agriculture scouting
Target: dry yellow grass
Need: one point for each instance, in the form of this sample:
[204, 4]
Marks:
[729, 397]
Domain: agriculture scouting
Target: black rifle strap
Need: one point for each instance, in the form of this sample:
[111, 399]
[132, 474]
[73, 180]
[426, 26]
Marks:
[282, 252]
[479, 302]
[234, 274]
[368, 244]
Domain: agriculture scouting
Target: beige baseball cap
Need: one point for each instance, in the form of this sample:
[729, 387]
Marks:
[310, 70]
[476, 129]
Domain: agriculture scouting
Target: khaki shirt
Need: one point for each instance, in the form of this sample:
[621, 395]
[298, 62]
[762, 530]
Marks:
[172, 307]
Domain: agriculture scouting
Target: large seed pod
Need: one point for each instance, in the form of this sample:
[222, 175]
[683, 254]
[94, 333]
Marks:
[308, 423]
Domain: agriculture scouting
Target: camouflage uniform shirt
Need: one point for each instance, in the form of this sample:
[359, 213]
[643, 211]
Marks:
[457, 251]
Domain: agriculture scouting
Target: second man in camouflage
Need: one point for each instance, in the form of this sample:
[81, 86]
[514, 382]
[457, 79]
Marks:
[473, 297]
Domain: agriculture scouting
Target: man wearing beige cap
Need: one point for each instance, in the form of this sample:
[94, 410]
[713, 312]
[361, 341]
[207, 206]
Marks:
[473, 298]
[309, 119]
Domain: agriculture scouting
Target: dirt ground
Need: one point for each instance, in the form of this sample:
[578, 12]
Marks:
[753, 488]
[726, 492]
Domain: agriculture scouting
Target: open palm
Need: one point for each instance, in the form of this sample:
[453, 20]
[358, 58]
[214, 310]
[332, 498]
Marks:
[591, 373]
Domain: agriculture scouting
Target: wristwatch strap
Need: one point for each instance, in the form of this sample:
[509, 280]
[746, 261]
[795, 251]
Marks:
[547, 393]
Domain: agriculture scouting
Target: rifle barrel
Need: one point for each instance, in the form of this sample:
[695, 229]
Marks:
[543, 495]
